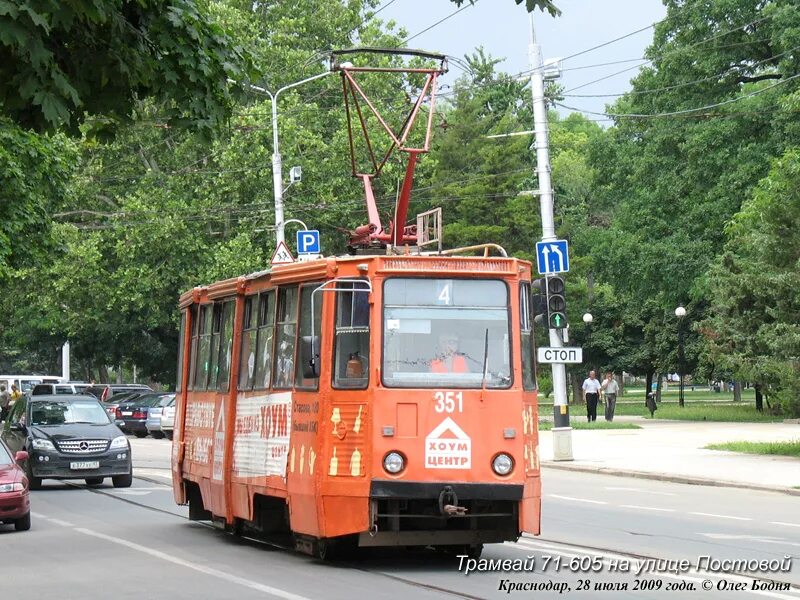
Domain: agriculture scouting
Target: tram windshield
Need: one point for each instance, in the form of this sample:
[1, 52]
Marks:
[446, 333]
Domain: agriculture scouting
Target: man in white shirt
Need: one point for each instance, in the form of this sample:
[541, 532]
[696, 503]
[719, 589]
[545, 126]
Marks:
[610, 389]
[591, 394]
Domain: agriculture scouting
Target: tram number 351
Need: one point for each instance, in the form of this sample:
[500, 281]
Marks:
[447, 402]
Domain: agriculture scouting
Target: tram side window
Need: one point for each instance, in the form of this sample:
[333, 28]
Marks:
[181, 341]
[195, 341]
[305, 331]
[213, 358]
[526, 337]
[266, 331]
[286, 329]
[247, 359]
[203, 347]
[225, 347]
[351, 351]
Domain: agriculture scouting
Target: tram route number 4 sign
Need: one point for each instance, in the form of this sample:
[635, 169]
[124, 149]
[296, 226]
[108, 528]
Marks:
[448, 447]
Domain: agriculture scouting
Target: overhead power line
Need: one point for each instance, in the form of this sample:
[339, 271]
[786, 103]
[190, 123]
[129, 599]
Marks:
[686, 111]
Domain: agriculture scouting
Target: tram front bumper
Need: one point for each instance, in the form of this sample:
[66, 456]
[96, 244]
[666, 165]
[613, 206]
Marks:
[410, 513]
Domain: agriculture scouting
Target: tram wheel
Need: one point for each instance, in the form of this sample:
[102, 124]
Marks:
[470, 550]
[332, 549]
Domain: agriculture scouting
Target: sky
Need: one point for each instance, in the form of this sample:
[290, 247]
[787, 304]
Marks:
[502, 27]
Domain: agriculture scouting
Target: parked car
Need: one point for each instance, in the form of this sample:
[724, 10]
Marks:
[112, 403]
[57, 389]
[25, 383]
[168, 420]
[15, 505]
[106, 391]
[153, 423]
[131, 415]
[68, 437]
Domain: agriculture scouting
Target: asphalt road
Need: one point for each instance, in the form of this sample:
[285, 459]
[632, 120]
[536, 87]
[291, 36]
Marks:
[97, 543]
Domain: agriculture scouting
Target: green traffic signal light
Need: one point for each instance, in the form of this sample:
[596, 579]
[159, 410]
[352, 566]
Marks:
[556, 303]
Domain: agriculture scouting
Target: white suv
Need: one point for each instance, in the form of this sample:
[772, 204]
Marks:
[58, 389]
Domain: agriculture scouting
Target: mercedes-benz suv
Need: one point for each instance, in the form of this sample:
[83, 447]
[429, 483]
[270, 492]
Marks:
[68, 437]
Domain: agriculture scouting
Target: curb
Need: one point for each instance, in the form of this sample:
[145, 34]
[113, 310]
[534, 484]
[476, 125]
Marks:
[671, 478]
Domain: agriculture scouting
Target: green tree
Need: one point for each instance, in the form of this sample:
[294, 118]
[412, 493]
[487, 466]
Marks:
[61, 62]
[753, 327]
[669, 178]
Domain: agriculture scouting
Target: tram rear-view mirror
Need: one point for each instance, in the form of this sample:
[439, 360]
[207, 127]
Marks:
[309, 355]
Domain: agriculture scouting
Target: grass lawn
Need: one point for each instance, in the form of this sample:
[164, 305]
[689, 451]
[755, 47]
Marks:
[577, 424]
[692, 411]
[696, 395]
[781, 448]
[699, 411]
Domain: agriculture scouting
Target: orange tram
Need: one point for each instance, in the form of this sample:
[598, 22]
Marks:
[385, 400]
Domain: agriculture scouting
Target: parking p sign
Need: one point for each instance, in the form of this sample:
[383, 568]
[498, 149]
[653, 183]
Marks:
[308, 241]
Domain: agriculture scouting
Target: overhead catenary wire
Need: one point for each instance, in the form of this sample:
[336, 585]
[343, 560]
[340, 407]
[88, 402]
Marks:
[667, 88]
[694, 45]
[688, 110]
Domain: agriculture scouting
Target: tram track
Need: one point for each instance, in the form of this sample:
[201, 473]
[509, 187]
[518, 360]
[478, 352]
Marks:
[528, 544]
[110, 493]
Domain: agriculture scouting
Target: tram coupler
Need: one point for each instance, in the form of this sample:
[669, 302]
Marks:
[448, 503]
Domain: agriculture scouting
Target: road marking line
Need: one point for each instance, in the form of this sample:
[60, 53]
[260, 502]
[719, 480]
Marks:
[254, 585]
[155, 488]
[702, 514]
[754, 538]
[647, 508]
[60, 522]
[577, 499]
[785, 524]
[627, 489]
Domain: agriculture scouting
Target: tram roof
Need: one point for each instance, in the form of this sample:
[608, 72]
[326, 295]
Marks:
[376, 264]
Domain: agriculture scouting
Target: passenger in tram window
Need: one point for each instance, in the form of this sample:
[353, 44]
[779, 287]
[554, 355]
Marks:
[285, 365]
[449, 359]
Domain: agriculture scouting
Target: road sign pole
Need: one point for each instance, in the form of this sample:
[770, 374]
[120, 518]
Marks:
[562, 432]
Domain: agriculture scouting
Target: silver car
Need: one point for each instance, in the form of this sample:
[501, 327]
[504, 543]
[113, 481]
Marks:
[153, 423]
[168, 420]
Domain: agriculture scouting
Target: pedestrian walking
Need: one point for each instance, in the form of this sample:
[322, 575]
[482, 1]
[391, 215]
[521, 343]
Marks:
[610, 390]
[591, 394]
[15, 395]
[5, 398]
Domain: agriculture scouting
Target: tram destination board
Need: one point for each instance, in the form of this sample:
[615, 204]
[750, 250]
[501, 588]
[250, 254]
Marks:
[560, 355]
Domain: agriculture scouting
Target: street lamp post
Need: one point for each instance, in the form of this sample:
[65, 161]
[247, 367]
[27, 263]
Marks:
[680, 312]
[587, 320]
[277, 165]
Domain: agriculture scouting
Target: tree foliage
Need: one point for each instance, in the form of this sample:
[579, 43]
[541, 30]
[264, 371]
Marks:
[61, 62]
[670, 177]
[753, 327]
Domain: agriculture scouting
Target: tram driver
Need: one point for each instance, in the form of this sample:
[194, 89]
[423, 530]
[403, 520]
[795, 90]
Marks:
[449, 359]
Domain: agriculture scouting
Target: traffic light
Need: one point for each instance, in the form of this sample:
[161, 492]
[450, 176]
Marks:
[539, 301]
[556, 303]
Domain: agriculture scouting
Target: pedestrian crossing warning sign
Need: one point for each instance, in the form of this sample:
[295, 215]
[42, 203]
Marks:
[282, 255]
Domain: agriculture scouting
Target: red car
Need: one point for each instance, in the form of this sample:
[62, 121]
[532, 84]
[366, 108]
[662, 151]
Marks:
[15, 505]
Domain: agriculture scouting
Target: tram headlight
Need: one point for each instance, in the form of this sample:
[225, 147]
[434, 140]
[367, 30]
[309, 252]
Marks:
[394, 463]
[502, 464]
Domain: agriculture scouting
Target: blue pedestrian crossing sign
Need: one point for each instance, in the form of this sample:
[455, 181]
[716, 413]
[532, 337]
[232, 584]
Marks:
[552, 257]
[308, 241]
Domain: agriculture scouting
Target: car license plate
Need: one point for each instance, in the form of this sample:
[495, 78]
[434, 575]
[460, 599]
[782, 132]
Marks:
[127, 413]
[85, 464]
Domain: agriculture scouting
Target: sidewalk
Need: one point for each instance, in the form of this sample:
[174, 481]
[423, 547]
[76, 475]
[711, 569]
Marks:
[673, 451]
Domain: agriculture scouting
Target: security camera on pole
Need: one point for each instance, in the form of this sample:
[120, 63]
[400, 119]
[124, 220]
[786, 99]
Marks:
[551, 252]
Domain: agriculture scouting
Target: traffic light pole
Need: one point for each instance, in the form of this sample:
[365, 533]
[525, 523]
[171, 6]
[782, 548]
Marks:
[562, 432]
